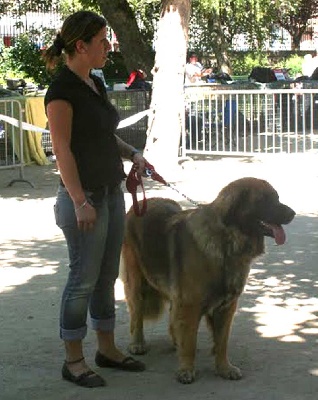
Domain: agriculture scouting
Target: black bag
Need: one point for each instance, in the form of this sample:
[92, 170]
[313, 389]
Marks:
[263, 75]
[314, 75]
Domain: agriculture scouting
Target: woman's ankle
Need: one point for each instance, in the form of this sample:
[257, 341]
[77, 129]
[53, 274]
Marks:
[74, 351]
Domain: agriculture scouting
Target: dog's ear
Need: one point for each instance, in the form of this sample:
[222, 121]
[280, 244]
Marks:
[238, 211]
[234, 204]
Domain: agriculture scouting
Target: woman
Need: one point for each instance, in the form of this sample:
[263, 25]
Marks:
[90, 206]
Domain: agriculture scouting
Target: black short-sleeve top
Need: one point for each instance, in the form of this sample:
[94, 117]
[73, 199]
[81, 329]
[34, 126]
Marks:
[94, 123]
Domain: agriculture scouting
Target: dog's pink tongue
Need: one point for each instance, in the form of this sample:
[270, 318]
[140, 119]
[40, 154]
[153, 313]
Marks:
[279, 234]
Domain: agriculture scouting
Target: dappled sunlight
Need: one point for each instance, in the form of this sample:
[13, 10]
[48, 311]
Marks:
[275, 332]
[314, 372]
[119, 290]
[23, 260]
[282, 308]
[27, 220]
[10, 277]
[281, 294]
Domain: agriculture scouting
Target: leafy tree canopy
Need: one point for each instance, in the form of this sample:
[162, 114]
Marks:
[21, 6]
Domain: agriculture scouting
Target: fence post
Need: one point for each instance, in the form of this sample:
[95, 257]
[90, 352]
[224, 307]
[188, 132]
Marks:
[11, 139]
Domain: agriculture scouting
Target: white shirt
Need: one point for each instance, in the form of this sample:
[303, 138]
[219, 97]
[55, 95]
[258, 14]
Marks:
[190, 71]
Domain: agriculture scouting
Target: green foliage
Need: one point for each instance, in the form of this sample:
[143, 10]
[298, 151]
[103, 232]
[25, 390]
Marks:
[294, 64]
[67, 7]
[232, 16]
[147, 13]
[26, 59]
[20, 7]
[6, 70]
[294, 17]
[244, 62]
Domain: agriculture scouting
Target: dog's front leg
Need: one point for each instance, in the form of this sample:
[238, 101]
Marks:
[220, 323]
[184, 324]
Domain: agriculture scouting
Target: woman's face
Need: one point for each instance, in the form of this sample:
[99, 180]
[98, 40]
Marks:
[97, 49]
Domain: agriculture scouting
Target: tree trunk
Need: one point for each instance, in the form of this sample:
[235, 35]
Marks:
[167, 103]
[219, 44]
[135, 51]
[296, 39]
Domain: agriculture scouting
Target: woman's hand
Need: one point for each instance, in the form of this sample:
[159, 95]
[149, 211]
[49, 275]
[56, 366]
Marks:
[139, 163]
[86, 216]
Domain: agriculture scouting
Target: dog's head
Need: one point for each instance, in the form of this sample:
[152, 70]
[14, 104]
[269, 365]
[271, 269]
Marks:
[253, 206]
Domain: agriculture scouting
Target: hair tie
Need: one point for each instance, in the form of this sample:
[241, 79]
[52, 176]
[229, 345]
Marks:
[59, 43]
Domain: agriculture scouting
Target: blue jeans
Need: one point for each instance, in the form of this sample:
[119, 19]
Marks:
[94, 264]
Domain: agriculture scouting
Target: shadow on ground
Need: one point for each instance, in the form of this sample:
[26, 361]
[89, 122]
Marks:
[274, 337]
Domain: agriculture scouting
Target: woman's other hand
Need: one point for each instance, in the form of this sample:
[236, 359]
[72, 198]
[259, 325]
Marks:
[86, 216]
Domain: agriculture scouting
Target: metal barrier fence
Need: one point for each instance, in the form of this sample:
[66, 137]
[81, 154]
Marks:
[250, 121]
[11, 139]
[12, 26]
[128, 103]
[223, 122]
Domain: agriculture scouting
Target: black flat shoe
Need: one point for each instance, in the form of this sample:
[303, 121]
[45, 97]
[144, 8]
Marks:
[87, 379]
[127, 364]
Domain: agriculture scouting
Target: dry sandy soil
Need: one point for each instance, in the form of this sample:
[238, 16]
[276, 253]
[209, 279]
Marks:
[275, 332]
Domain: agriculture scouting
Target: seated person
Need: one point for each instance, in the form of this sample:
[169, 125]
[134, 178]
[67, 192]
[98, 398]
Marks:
[194, 70]
[308, 66]
[137, 80]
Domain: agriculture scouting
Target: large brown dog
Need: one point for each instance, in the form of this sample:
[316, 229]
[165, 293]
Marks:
[199, 261]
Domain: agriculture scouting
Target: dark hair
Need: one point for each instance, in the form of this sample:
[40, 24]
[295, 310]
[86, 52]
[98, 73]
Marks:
[82, 25]
[192, 54]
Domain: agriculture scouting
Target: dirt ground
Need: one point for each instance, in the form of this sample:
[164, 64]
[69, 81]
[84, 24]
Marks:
[275, 332]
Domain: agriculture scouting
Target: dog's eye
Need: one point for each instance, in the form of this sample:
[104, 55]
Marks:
[267, 201]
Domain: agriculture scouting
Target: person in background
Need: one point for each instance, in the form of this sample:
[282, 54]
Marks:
[100, 74]
[89, 207]
[308, 65]
[137, 80]
[194, 71]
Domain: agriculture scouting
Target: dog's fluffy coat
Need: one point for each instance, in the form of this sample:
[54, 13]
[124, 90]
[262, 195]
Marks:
[199, 261]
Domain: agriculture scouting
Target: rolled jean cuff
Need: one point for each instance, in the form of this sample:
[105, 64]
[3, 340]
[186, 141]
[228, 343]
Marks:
[73, 334]
[104, 325]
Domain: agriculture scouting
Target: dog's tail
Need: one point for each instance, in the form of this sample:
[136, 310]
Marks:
[139, 293]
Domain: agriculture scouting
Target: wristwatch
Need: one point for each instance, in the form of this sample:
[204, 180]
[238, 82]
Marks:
[133, 152]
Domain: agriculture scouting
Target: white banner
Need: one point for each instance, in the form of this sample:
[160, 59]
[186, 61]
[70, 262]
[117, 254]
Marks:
[25, 125]
[29, 127]
[133, 119]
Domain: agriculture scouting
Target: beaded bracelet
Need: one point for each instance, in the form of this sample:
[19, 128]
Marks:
[81, 206]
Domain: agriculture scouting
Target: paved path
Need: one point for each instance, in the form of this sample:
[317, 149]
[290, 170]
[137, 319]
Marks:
[275, 332]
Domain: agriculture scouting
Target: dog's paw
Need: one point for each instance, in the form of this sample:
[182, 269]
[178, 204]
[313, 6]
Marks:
[230, 372]
[185, 375]
[137, 348]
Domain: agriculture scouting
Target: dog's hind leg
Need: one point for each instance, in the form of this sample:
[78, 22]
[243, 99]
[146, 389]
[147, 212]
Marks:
[220, 323]
[171, 329]
[133, 279]
[184, 324]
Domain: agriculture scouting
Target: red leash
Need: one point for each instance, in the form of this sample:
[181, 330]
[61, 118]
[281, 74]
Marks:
[134, 179]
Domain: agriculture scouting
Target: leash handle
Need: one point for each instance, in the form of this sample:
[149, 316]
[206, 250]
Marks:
[134, 179]
[132, 182]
